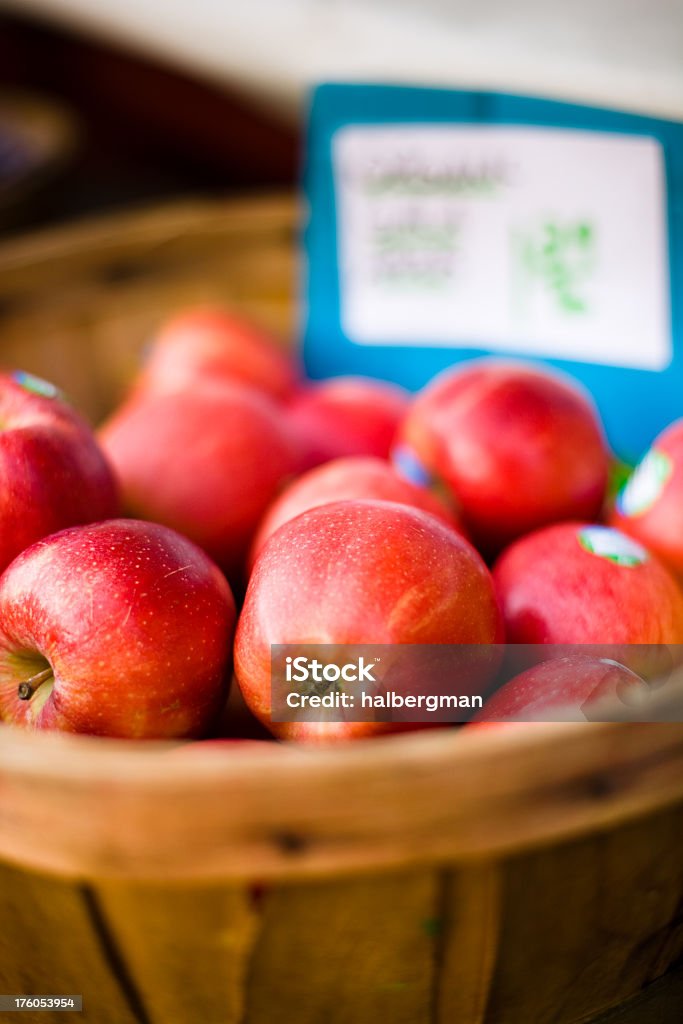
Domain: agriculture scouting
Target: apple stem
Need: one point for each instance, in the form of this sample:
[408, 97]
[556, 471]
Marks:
[29, 687]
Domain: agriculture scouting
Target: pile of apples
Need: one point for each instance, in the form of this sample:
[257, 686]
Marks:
[229, 505]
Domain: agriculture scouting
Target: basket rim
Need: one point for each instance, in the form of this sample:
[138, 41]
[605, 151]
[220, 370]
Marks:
[418, 798]
[162, 222]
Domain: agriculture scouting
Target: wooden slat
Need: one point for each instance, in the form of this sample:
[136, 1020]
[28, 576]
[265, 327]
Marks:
[588, 924]
[51, 944]
[355, 952]
[186, 949]
[162, 234]
[470, 920]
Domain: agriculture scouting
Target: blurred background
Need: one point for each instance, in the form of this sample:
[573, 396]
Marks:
[112, 106]
[136, 102]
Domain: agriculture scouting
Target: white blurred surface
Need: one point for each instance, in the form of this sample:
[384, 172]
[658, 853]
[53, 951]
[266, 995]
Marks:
[626, 54]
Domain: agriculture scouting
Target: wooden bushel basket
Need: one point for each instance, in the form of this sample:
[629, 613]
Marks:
[531, 876]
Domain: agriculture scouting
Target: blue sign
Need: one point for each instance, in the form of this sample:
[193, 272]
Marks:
[446, 225]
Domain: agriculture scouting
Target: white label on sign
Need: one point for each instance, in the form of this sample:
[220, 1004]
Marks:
[537, 241]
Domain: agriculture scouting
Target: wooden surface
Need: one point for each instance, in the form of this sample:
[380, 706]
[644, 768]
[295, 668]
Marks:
[559, 937]
[527, 876]
[124, 810]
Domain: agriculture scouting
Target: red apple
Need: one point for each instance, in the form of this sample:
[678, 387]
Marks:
[361, 572]
[573, 688]
[121, 628]
[650, 505]
[347, 416]
[217, 344]
[518, 447]
[53, 472]
[357, 476]
[206, 462]
[575, 583]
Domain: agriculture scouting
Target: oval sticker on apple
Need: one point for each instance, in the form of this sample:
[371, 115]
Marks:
[607, 543]
[408, 465]
[645, 487]
[36, 385]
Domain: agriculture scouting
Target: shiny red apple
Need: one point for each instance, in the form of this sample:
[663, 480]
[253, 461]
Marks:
[518, 447]
[359, 476]
[218, 344]
[121, 628]
[361, 572]
[53, 472]
[575, 688]
[650, 505]
[347, 416]
[206, 462]
[577, 583]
